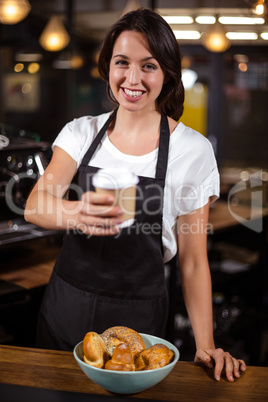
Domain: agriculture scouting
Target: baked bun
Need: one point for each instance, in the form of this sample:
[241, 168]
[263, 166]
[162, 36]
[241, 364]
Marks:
[154, 357]
[122, 359]
[95, 353]
[113, 336]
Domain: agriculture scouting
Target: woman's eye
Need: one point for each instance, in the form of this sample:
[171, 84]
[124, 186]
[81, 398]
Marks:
[149, 67]
[121, 63]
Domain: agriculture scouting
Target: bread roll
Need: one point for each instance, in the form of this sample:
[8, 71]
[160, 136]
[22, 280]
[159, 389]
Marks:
[154, 357]
[122, 359]
[95, 353]
[113, 336]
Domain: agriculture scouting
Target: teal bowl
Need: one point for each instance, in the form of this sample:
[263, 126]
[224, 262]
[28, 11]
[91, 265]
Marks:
[127, 382]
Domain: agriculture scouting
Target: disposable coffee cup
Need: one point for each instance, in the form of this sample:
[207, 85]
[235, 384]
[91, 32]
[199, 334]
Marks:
[121, 183]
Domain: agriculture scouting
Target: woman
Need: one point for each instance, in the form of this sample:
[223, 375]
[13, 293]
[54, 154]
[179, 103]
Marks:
[103, 276]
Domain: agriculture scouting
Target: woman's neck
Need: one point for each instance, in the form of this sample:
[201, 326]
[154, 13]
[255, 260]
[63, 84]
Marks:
[135, 133]
[137, 123]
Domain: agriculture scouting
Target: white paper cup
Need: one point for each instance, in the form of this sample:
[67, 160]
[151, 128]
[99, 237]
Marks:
[121, 183]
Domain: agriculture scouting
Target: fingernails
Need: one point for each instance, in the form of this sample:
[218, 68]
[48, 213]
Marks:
[231, 378]
[218, 377]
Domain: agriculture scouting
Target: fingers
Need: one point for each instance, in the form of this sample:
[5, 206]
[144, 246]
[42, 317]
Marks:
[232, 366]
[98, 215]
[99, 204]
[228, 361]
[203, 357]
[242, 365]
[219, 363]
[100, 231]
[100, 221]
[222, 361]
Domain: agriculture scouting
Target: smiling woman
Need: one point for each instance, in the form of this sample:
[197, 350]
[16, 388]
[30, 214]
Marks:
[165, 53]
[103, 276]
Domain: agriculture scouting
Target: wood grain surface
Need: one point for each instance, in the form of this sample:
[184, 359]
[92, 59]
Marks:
[187, 382]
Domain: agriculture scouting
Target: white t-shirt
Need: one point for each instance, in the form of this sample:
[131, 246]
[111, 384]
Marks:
[192, 173]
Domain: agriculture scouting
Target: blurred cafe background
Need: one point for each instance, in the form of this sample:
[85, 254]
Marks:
[48, 76]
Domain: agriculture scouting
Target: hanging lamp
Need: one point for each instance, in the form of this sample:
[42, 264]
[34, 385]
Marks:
[54, 36]
[259, 7]
[13, 11]
[214, 39]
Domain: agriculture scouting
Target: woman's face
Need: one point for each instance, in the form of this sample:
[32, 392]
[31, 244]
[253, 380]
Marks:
[135, 76]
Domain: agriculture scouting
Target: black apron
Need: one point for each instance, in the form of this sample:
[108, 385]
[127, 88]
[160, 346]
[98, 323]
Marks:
[102, 281]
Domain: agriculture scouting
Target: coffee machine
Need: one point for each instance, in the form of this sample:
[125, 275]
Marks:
[23, 159]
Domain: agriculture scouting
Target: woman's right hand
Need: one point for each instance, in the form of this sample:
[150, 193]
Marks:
[98, 215]
[94, 214]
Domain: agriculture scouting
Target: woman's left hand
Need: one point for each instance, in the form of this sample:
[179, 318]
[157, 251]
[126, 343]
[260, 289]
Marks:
[220, 360]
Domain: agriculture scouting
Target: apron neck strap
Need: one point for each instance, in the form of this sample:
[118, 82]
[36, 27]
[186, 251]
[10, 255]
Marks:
[163, 150]
[162, 160]
[91, 150]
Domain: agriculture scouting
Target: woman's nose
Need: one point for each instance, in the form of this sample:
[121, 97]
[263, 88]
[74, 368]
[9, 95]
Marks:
[133, 75]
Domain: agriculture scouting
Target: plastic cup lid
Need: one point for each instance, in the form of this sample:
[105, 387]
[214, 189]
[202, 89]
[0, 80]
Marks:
[112, 178]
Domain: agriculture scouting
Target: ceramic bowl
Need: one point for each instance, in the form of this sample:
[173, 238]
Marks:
[127, 382]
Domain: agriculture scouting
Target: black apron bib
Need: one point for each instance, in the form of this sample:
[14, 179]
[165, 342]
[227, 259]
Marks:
[102, 281]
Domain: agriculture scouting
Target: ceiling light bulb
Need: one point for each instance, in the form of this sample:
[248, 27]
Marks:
[242, 35]
[205, 19]
[241, 20]
[191, 35]
[13, 11]
[259, 7]
[54, 36]
[215, 39]
[33, 68]
[178, 19]
[264, 35]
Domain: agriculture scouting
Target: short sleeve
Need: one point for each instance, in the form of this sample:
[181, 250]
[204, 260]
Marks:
[196, 173]
[193, 198]
[67, 141]
[76, 137]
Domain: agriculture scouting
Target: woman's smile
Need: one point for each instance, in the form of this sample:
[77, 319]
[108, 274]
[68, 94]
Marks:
[132, 95]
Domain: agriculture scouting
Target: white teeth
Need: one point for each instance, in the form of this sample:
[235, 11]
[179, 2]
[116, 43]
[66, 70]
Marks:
[132, 93]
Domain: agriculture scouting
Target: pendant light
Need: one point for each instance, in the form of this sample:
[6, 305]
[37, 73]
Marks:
[215, 39]
[259, 7]
[54, 36]
[13, 11]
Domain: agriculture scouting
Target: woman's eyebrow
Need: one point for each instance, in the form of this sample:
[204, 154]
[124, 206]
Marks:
[126, 57]
[120, 55]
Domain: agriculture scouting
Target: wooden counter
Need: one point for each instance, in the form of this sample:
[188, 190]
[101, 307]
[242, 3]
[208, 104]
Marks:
[32, 263]
[56, 370]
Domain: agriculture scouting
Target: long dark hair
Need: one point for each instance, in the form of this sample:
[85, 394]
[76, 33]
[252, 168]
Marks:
[164, 48]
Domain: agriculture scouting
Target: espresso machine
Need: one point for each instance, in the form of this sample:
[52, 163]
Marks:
[23, 159]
